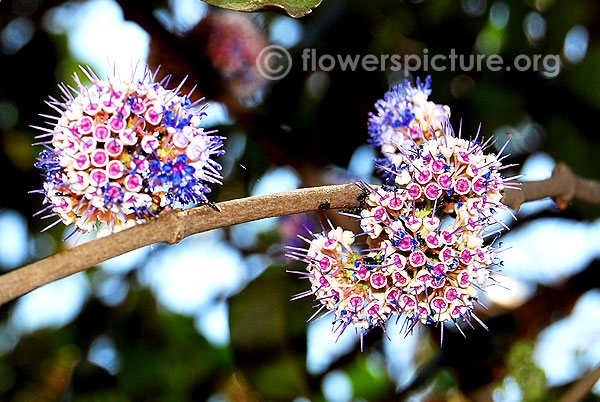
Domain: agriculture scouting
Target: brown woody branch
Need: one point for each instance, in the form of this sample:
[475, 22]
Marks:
[173, 226]
[562, 187]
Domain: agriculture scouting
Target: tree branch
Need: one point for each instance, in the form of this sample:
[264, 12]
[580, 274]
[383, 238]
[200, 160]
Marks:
[172, 226]
[563, 187]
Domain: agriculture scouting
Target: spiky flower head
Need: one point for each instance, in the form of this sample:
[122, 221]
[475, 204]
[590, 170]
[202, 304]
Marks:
[119, 151]
[426, 252]
[406, 117]
[343, 280]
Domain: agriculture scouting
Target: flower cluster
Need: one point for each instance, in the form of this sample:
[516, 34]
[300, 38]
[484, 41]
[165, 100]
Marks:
[426, 250]
[343, 280]
[120, 151]
[404, 118]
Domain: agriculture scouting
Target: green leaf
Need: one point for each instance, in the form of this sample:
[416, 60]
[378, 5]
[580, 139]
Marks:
[293, 8]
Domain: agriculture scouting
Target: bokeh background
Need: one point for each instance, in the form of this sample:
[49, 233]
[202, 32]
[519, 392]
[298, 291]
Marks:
[210, 318]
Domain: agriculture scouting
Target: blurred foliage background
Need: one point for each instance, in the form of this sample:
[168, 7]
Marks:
[210, 318]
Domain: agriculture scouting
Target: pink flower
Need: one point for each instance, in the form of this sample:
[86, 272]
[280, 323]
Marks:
[426, 254]
[110, 154]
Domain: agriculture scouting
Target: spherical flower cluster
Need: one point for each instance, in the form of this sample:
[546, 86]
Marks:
[405, 117]
[426, 254]
[433, 224]
[343, 280]
[120, 151]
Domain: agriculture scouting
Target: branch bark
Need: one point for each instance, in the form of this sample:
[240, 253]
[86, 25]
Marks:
[563, 186]
[173, 226]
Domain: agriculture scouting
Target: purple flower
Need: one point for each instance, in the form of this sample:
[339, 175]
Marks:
[430, 242]
[405, 117]
[120, 151]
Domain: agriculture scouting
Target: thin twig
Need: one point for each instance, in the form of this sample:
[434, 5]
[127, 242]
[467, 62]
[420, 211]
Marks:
[173, 226]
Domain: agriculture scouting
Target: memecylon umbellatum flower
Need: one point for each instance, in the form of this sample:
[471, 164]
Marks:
[405, 117]
[430, 240]
[120, 151]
